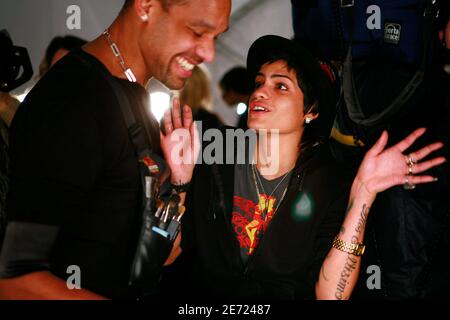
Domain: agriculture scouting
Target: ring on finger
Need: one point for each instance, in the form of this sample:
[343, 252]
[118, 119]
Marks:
[411, 161]
[407, 185]
[410, 170]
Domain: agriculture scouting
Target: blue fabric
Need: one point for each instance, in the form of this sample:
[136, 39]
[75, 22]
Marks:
[318, 23]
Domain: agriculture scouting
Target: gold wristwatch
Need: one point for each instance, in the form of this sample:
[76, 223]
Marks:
[356, 249]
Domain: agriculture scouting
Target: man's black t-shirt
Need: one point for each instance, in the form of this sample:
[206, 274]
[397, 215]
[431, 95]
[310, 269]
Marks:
[73, 167]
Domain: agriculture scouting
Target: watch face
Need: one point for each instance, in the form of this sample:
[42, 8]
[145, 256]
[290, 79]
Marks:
[360, 250]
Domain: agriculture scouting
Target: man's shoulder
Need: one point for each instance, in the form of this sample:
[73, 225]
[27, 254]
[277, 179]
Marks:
[70, 85]
[71, 74]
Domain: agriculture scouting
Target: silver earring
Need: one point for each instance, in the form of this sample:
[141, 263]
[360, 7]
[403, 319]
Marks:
[144, 17]
[308, 120]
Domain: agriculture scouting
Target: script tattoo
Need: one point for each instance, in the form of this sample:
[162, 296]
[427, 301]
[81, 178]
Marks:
[351, 263]
[362, 219]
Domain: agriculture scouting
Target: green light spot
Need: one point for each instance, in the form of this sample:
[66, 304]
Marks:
[303, 207]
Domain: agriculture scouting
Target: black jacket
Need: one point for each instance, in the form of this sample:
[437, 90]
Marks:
[287, 262]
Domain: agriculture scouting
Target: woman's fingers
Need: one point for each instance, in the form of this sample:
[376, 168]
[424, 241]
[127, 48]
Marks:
[168, 126]
[402, 172]
[416, 179]
[409, 140]
[187, 117]
[195, 141]
[173, 118]
[378, 147]
[402, 180]
[425, 151]
[424, 166]
[176, 114]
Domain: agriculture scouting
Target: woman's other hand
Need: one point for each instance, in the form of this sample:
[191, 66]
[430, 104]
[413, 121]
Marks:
[383, 168]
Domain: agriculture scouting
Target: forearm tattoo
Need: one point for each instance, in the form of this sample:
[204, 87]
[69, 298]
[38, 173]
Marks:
[351, 263]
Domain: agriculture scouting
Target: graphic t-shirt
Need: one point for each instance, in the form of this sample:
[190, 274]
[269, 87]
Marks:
[253, 211]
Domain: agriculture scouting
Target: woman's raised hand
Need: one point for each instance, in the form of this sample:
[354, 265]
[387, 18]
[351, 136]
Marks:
[382, 168]
[181, 144]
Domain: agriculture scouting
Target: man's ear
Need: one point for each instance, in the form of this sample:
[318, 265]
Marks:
[142, 8]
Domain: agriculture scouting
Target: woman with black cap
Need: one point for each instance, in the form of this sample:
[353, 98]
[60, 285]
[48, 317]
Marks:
[277, 226]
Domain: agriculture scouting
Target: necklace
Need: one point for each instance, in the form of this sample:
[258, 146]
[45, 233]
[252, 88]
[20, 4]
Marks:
[264, 212]
[115, 49]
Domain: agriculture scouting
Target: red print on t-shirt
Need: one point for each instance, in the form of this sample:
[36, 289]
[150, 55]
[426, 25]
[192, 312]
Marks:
[250, 221]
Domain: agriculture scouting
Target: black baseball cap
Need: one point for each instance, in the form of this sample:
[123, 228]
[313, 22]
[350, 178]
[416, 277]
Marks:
[268, 46]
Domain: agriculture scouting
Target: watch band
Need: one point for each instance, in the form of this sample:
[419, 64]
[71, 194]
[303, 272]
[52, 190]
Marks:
[356, 249]
[180, 188]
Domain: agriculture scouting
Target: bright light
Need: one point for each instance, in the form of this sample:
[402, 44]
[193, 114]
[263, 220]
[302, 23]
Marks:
[21, 97]
[241, 108]
[160, 102]
[447, 68]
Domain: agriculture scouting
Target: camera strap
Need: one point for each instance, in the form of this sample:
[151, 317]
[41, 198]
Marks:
[161, 220]
[150, 165]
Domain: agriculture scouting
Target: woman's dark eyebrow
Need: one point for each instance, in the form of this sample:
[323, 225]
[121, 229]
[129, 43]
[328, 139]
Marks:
[275, 75]
[281, 76]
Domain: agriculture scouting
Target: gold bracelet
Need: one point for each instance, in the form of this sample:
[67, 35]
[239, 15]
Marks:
[356, 249]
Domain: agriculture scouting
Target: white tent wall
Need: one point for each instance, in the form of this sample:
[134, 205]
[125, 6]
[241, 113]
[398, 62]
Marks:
[32, 24]
[249, 20]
